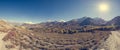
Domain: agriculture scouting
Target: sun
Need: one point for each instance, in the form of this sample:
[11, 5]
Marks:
[103, 7]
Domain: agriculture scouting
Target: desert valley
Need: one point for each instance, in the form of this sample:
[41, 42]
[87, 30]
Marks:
[78, 34]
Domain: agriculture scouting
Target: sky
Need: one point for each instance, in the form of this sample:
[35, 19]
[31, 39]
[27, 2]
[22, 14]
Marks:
[37, 11]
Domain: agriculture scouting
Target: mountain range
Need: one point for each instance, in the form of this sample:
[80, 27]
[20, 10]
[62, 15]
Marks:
[93, 21]
[78, 22]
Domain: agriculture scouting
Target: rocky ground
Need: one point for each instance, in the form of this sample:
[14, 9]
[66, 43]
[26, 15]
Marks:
[25, 40]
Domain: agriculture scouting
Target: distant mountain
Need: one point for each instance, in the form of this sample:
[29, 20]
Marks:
[114, 21]
[99, 21]
[88, 21]
[71, 24]
[76, 21]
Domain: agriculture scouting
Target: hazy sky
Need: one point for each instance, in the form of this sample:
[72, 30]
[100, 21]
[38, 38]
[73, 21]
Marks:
[43, 10]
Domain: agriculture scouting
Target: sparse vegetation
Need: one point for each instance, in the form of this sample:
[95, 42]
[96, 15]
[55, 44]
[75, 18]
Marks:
[53, 41]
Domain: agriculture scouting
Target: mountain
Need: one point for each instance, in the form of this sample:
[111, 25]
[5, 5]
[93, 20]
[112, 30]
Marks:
[114, 21]
[99, 21]
[88, 21]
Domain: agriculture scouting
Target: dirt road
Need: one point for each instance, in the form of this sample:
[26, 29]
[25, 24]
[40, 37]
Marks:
[113, 42]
